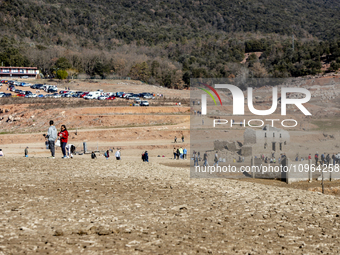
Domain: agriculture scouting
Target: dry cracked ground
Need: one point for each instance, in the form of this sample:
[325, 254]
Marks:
[129, 207]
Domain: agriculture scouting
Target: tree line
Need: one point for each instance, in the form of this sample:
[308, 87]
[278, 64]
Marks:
[172, 65]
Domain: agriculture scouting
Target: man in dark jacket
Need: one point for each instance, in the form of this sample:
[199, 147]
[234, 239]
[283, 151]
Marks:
[146, 156]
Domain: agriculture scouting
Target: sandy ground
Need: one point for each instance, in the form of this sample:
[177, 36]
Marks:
[57, 206]
[129, 207]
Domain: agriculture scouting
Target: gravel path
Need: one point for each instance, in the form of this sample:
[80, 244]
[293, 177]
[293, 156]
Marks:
[119, 207]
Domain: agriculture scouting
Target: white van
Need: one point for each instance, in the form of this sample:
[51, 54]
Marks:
[93, 95]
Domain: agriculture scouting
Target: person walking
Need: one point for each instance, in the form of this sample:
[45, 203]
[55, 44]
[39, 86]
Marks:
[337, 157]
[316, 157]
[175, 153]
[216, 159]
[195, 159]
[63, 134]
[185, 153]
[146, 156]
[181, 153]
[328, 159]
[51, 137]
[182, 138]
[175, 140]
[107, 154]
[26, 152]
[323, 158]
[117, 155]
[205, 159]
[1, 153]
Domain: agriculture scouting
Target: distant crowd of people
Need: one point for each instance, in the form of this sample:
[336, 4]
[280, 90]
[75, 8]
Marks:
[325, 158]
[180, 153]
[197, 158]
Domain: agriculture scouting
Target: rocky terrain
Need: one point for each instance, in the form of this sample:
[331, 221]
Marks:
[129, 207]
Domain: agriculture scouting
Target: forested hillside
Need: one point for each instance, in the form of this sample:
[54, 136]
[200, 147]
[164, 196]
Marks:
[167, 42]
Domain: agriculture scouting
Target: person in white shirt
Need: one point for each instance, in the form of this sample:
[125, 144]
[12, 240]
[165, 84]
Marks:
[117, 155]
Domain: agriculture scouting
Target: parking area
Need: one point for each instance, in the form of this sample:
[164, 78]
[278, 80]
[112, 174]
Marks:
[10, 88]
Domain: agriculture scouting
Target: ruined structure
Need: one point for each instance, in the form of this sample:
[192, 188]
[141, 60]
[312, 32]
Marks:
[266, 140]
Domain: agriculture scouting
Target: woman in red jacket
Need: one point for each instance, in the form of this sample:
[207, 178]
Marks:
[63, 134]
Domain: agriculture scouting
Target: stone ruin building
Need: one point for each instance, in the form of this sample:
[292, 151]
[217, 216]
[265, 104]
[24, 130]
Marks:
[267, 140]
[258, 141]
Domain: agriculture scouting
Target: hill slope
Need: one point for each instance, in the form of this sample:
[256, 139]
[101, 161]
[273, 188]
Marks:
[84, 22]
[169, 42]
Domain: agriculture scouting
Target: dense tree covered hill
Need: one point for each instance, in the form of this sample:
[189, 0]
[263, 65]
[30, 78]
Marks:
[150, 22]
[168, 42]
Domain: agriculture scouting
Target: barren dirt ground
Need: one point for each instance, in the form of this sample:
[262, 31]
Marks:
[57, 206]
[129, 207]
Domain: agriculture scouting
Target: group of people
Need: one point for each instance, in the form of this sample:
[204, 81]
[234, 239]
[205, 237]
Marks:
[272, 159]
[325, 158]
[175, 139]
[180, 153]
[198, 113]
[61, 138]
[106, 154]
[197, 157]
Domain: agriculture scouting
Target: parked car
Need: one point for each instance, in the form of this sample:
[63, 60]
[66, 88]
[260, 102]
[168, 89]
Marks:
[37, 86]
[111, 98]
[3, 94]
[68, 95]
[25, 84]
[111, 94]
[21, 95]
[31, 95]
[84, 94]
[126, 95]
[138, 101]
[148, 96]
[119, 94]
[133, 97]
[56, 95]
[52, 90]
[144, 103]
[40, 95]
[78, 94]
[103, 97]
[24, 77]
[7, 95]
[93, 95]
